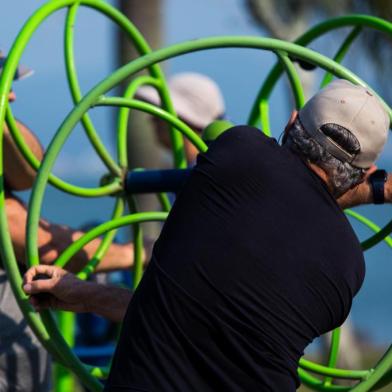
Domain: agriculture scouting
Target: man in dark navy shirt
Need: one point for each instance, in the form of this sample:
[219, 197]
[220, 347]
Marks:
[255, 260]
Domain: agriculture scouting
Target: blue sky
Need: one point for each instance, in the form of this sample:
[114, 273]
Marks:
[44, 99]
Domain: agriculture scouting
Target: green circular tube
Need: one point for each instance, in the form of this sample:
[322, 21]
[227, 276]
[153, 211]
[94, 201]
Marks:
[63, 379]
[76, 92]
[91, 98]
[333, 353]
[381, 234]
[312, 34]
[97, 231]
[317, 385]
[98, 372]
[160, 55]
[12, 62]
[90, 267]
[138, 244]
[109, 189]
[13, 59]
[51, 330]
[372, 226]
[125, 103]
[164, 201]
[154, 70]
[342, 51]
[104, 190]
[334, 372]
[376, 376]
[152, 109]
[295, 82]
[214, 43]
[144, 58]
[261, 105]
[123, 114]
[69, 359]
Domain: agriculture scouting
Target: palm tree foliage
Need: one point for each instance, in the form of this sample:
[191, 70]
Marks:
[287, 19]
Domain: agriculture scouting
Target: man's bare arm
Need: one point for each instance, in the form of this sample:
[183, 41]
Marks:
[67, 292]
[18, 173]
[53, 239]
[362, 194]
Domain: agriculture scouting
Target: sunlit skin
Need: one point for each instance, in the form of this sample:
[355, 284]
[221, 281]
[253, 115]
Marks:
[52, 238]
[11, 96]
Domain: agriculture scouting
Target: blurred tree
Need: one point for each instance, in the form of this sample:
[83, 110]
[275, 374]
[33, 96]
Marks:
[287, 19]
[143, 149]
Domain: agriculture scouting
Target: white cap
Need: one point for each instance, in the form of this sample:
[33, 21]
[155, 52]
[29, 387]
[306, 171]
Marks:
[354, 108]
[196, 98]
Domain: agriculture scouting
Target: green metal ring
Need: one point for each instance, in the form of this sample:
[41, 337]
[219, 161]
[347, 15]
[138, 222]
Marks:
[93, 98]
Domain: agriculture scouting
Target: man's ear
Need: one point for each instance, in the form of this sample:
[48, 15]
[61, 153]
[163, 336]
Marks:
[293, 117]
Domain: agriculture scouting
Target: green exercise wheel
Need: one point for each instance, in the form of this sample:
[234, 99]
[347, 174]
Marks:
[52, 334]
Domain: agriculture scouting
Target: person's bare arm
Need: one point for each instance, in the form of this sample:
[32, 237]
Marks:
[18, 173]
[53, 239]
[67, 292]
[362, 194]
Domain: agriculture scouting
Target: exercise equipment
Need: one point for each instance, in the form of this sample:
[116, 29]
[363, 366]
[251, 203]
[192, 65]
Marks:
[122, 183]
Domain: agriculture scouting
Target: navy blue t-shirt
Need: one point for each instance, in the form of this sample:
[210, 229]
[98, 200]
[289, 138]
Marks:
[255, 260]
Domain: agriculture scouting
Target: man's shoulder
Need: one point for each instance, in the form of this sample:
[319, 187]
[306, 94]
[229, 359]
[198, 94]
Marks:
[243, 133]
[240, 149]
[242, 138]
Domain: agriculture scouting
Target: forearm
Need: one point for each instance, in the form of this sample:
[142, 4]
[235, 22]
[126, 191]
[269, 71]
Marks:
[18, 172]
[54, 239]
[67, 292]
[118, 256]
[362, 194]
[110, 302]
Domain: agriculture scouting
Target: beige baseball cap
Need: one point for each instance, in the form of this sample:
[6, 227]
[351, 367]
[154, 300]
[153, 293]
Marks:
[196, 98]
[354, 108]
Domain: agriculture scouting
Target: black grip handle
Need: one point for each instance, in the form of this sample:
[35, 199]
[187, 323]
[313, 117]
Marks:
[41, 296]
[153, 181]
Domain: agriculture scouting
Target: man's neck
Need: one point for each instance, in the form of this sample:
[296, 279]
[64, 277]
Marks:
[322, 174]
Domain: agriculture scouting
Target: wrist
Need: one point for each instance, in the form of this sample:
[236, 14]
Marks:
[122, 256]
[377, 182]
[86, 291]
[126, 255]
[388, 189]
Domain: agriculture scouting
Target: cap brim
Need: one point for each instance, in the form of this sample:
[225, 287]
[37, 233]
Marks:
[21, 72]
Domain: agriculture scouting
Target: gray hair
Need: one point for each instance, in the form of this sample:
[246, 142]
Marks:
[342, 175]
